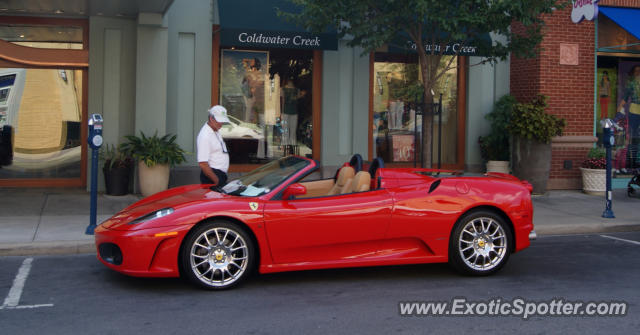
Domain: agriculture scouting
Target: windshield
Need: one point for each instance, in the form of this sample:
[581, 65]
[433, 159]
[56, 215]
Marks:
[264, 179]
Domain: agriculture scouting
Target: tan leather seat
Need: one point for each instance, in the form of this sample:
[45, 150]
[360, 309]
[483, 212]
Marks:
[343, 183]
[361, 182]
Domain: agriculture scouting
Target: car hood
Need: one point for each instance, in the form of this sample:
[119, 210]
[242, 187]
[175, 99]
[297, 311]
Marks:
[179, 199]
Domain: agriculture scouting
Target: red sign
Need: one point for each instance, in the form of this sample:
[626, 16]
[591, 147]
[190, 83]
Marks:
[403, 148]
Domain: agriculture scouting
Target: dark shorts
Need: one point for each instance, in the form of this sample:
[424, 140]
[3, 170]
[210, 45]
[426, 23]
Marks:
[222, 178]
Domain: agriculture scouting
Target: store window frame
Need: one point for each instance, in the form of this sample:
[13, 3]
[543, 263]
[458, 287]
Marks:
[316, 97]
[13, 55]
[618, 54]
[462, 69]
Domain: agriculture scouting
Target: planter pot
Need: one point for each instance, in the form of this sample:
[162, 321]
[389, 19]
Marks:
[532, 162]
[498, 166]
[594, 181]
[153, 179]
[116, 180]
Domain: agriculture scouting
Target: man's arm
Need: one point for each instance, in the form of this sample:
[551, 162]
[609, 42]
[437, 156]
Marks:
[204, 166]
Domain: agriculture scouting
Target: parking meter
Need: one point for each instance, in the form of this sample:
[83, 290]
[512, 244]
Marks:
[95, 131]
[608, 140]
[95, 142]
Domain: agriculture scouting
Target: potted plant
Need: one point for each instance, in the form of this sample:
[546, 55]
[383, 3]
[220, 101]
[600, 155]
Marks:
[532, 129]
[494, 147]
[116, 168]
[594, 173]
[155, 155]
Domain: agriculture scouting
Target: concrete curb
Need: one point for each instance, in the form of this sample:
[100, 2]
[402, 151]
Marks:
[47, 248]
[587, 228]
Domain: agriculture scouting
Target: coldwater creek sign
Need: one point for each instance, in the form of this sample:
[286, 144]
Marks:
[278, 39]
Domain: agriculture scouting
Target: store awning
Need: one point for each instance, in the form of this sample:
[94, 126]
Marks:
[627, 18]
[256, 24]
[403, 44]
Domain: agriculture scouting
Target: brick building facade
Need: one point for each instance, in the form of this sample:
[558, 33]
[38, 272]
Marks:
[565, 71]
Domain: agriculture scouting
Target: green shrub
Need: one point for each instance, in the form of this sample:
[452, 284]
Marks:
[596, 153]
[530, 121]
[495, 145]
[114, 157]
[154, 150]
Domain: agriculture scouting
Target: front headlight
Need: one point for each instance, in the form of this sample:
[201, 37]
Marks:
[153, 215]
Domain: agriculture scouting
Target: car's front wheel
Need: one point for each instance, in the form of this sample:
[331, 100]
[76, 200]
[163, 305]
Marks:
[217, 255]
[480, 244]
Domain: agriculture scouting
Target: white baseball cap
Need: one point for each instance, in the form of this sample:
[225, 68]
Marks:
[219, 113]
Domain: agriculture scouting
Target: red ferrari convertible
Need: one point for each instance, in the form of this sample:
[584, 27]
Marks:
[276, 219]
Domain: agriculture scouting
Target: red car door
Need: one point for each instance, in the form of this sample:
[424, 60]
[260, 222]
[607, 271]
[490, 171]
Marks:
[327, 229]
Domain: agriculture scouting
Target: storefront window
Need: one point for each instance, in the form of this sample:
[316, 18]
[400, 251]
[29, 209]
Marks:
[268, 98]
[396, 89]
[43, 110]
[619, 99]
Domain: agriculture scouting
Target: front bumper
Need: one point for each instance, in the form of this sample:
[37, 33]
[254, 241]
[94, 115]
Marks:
[150, 252]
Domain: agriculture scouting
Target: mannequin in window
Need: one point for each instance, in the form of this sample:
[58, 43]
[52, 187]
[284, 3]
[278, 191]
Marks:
[253, 91]
[289, 116]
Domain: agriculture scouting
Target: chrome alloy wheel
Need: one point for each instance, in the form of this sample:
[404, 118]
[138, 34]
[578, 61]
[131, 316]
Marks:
[219, 257]
[482, 244]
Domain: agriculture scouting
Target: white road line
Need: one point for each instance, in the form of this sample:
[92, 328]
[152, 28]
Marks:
[621, 239]
[27, 306]
[13, 298]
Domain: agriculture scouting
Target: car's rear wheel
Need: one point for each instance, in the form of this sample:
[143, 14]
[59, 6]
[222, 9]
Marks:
[480, 244]
[217, 255]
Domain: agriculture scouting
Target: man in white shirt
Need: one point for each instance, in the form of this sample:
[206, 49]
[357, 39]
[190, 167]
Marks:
[212, 153]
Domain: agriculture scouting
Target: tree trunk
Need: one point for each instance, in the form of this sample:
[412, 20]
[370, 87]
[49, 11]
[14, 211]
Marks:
[427, 122]
[428, 67]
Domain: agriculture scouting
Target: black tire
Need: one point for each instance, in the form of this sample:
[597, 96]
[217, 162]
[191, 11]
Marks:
[213, 265]
[480, 243]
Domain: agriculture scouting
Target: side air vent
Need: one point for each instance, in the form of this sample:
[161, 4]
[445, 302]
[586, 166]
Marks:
[434, 185]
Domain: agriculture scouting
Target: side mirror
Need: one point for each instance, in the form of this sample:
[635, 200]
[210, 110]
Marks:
[293, 190]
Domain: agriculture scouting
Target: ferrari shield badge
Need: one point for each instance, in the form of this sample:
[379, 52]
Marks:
[253, 206]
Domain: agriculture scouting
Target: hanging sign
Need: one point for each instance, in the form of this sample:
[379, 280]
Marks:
[584, 9]
[278, 39]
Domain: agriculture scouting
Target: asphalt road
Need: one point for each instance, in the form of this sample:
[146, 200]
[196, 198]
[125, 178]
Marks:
[76, 294]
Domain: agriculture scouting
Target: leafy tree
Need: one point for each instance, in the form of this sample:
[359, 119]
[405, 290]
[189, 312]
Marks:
[433, 27]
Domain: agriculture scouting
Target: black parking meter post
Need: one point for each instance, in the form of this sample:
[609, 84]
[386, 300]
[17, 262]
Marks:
[95, 142]
[609, 141]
